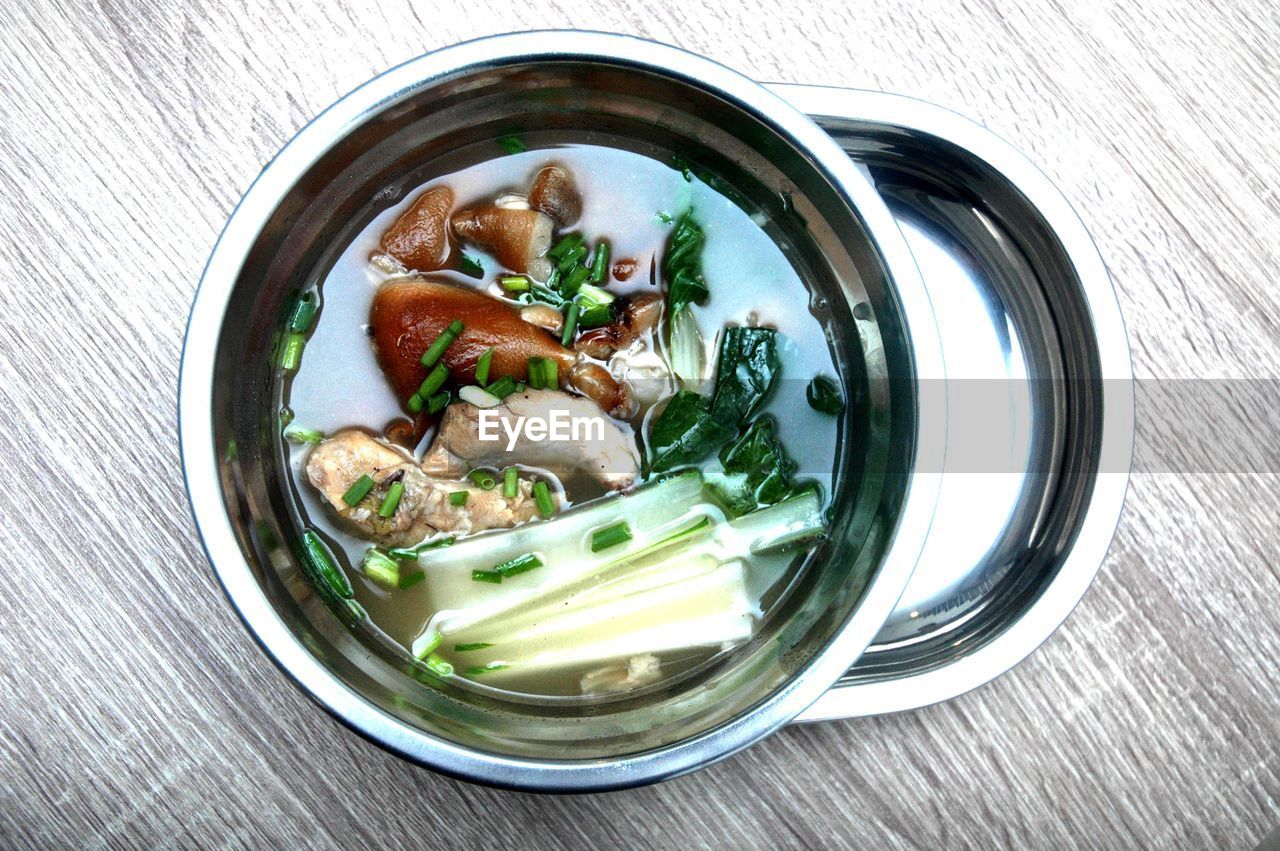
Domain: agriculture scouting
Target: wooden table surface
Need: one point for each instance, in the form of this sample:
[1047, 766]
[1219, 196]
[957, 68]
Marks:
[137, 711]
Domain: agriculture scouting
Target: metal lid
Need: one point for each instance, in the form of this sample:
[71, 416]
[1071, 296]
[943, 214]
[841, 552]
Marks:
[1040, 403]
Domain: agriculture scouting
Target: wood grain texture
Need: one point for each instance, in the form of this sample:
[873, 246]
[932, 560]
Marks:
[136, 711]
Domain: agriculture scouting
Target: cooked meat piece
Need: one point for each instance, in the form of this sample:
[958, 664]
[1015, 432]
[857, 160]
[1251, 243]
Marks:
[553, 193]
[518, 238]
[634, 316]
[340, 460]
[596, 445]
[408, 316]
[420, 237]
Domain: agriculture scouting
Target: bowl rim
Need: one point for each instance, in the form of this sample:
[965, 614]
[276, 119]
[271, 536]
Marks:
[201, 463]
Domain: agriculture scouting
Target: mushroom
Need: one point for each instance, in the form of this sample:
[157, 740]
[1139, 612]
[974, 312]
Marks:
[518, 238]
[409, 315]
[544, 316]
[633, 316]
[553, 193]
[593, 380]
[419, 238]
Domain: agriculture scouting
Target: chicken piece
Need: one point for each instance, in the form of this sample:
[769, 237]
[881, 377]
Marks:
[518, 238]
[408, 316]
[634, 316]
[588, 443]
[420, 237]
[339, 461]
[554, 193]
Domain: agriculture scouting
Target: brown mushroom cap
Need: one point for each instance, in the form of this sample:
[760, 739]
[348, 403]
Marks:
[554, 193]
[518, 238]
[419, 238]
[634, 316]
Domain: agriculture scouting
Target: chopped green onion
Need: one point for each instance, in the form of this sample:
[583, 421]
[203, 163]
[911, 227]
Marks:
[610, 536]
[484, 669]
[542, 496]
[571, 257]
[518, 565]
[491, 576]
[536, 380]
[483, 479]
[570, 324]
[514, 283]
[550, 373]
[411, 553]
[572, 240]
[317, 555]
[470, 267]
[304, 310]
[408, 580]
[510, 483]
[521, 386]
[512, 144]
[665, 217]
[298, 434]
[358, 491]
[458, 498]
[546, 296]
[574, 281]
[596, 316]
[503, 387]
[415, 404]
[464, 648]
[600, 262]
[291, 351]
[482, 367]
[391, 501]
[381, 567]
[434, 381]
[436, 349]
[439, 402]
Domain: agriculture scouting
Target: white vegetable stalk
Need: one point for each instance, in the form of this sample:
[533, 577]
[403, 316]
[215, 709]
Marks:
[686, 350]
[686, 593]
[563, 543]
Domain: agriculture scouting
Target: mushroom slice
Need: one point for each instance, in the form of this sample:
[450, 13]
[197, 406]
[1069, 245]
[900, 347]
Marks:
[420, 237]
[634, 316]
[553, 193]
[518, 238]
[574, 437]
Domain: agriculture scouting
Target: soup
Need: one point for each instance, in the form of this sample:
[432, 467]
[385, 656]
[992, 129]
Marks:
[538, 422]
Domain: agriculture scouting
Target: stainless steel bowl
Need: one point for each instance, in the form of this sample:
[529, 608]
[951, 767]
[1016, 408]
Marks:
[356, 158]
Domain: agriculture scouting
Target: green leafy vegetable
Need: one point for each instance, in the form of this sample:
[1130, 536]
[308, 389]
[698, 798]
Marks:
[685, 432]
[824, 396]
[755, 470]
[682, 266]
[470, 267]
[512, 144]
[745, 373]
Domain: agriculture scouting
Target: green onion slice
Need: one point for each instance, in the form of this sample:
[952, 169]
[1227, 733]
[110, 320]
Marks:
[298, 434]
[514, 283]
[484, 669]
[570, 324]
[610, 536]
[518, 565]
[458, 498]
[483, 479]
[412, 553]
[291, 351]
[436, 349]
[391, 501]
[550, 376]
[510, 483]
[542, 495]
[304, 310]
[434, 381]
[358, 491]
[408, 580]
[464, 648]
[381, 567]
[536, 380]
[572, 240]
[439, 402]
[600, 262]
[503, 387]
[490, 576]
[482, 367]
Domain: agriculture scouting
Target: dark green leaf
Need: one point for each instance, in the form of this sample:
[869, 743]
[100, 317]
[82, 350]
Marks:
[682, 266]
[747, 369]
[824, 396]
[755, 470]
[685, 432]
